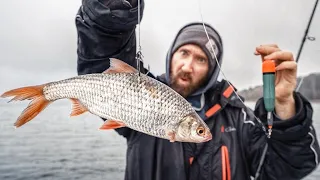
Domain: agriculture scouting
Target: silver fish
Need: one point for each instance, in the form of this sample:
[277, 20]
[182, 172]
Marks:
[123, 96]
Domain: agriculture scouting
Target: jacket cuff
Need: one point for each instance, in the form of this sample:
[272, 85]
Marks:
[122, 19]
[293, 128]
[296, 119]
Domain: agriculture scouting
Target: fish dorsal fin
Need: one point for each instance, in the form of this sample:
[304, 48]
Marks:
[112, 124]
[118, 66]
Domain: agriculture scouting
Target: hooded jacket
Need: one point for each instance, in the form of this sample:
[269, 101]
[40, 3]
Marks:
[187, 35]
[239, 148]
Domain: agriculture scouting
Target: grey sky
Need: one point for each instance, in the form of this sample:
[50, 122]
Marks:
[38, 38]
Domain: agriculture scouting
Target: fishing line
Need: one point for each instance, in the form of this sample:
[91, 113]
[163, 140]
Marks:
[139, 55]
[139, 44]
[215, 57]
[262, 159]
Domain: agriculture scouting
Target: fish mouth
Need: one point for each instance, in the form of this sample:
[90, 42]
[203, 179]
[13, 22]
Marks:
[208, 137]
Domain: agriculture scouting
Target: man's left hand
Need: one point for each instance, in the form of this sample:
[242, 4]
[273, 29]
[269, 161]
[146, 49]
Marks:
[285, 78]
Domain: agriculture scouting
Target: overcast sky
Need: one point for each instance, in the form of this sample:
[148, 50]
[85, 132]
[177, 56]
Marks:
[38, 38]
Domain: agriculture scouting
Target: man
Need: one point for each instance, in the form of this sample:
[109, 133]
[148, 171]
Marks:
[239, 148]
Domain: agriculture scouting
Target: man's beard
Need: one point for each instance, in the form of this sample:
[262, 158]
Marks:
[184, 90]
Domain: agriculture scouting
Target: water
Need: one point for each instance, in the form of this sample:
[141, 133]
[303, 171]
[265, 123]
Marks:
[54, 146]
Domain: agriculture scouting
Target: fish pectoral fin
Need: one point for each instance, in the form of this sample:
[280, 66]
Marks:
[112, 124]
[172, 136]
[118, 66]
[77, 107]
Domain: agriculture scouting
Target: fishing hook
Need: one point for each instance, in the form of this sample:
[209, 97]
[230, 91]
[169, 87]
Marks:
[139, 56]
[139, 60]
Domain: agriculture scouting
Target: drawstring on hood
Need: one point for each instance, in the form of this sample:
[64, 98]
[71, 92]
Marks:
[194, 33]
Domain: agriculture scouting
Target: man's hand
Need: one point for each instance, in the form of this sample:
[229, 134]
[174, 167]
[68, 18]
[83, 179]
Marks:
[285, 78]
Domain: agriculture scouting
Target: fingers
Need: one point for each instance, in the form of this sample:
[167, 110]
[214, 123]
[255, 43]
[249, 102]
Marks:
[287, 65]
[273, 52]
[266, 50]
[271, 45]
[280, 55]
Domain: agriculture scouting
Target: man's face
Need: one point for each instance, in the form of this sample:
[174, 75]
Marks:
[189, 69]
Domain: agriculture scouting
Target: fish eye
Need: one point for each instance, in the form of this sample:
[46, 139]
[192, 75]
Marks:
[200, 130]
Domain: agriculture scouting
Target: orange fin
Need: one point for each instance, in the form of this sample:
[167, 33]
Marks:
[112, 124]
[77, 107]
[118, 66]
[38, 103]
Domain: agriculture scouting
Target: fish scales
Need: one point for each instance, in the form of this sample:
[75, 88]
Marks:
[140, 102]
[125, 98]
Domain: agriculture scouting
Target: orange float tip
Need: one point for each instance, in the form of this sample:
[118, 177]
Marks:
[268, 66]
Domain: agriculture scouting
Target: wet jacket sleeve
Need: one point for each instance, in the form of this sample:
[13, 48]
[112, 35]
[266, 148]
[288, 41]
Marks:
[106, 29]
[292, 151]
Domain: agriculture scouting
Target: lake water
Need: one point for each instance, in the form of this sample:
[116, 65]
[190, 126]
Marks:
[55, 146]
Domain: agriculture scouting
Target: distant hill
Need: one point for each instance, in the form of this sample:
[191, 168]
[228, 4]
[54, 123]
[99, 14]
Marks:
[310, 88]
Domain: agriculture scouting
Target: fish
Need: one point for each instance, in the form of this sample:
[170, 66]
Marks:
[123, 97]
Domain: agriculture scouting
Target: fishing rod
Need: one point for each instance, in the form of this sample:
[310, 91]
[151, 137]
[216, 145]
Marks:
[304, 39]
[307, 31]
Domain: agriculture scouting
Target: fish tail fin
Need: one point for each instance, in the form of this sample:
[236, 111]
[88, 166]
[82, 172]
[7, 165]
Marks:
[38, 103]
